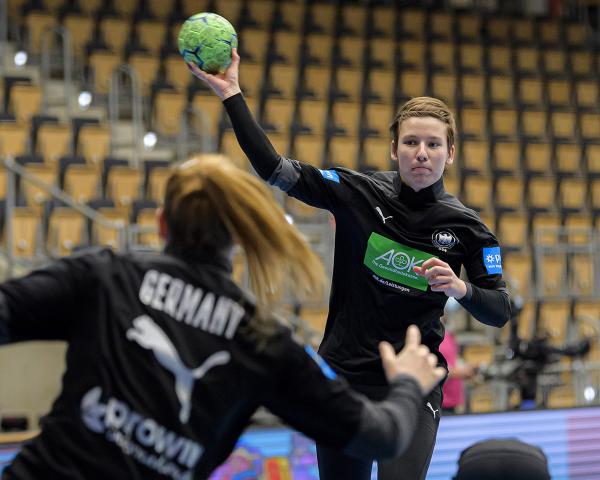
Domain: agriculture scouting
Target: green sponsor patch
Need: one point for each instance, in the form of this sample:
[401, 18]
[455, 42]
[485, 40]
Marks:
[394, 261]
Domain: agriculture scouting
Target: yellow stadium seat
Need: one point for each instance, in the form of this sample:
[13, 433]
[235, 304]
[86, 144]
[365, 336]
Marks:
[382, 53]
[472, 90]
[146, 67]
[123, 185]
[151, 34]
[354, 18]
[110, 236]
[343, 151]
[287, 44]
[316, 81]
[512, 231]
[94, 143]
[81, 182]
[443, 86]
[383, 20]
[412, 54]
[103, 64]
[346, 117]
[377, 118]
[506, 156]
[157, 183]
[14, 139]
[504, 123]
[538, 157]
[283, 80]
[509, 193]
[382, 85]
[376, 152]
[313, 115]
[25, 232]
[66, 230]
[37, 22]
[115, 32]
[412, 22]
[310, 149]
[477, 193]
[25, 101]
[168, 111]
[501, 90]
[412, 84]
[541, 193]
[474, 157]
[36, 196]
[53, 142]
[278, 114]
[442, 55]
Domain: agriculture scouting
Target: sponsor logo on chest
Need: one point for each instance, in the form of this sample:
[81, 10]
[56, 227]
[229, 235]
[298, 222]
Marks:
[395, 262]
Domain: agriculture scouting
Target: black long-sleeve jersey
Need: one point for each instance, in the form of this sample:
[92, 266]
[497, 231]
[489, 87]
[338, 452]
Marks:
[383, 229]
[164, 369]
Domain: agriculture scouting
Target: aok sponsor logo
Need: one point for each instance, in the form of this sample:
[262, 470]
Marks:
[394, 261]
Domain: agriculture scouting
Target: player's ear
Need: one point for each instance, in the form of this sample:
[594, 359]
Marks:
[394, 150]
[451, 154]
[163, 230]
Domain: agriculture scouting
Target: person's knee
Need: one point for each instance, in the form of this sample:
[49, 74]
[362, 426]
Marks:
[500, 459]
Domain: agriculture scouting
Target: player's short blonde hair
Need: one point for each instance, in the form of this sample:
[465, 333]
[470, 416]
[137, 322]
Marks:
[210, 204]
[425, 107]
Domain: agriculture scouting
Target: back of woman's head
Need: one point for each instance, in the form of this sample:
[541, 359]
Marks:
[210, 204]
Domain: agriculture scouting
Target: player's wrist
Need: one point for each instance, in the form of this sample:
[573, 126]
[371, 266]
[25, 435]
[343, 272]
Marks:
[230, 92]
[462, 290]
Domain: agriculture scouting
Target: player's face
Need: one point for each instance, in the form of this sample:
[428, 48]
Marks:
[422, 151]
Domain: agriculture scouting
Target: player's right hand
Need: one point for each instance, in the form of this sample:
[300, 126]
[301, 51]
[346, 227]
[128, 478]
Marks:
[225, 84]
[414, 359]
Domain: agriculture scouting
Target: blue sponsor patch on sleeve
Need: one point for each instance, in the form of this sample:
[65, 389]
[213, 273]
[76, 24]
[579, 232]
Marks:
[326, 369]
[330, 175]
[492, 260]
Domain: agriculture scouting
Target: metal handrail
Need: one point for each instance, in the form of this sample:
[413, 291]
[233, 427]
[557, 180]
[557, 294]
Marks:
[13, 169]
[67, 64]
[183, 140]
[3, 32]
[136, 108]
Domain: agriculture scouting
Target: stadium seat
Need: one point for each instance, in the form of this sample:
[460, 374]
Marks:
[383, 21]
[568, 159]
[473, 157]
[343, 152]
[523, 31]
[527, 60]
[381, 54]
[191, 7]
[498, 29]
[377, 119]
[94, 143]
[412, 55]
[210, 109]
[554, 315]
[157, 182]
[315, 83]
[533, 125]
[412, 23]
[90, 7]
[441, 56]
[147, 218]
[66, 230]
[581, 275]
[473, 123]
[579, 227]
[443, 86]
[516, 269]
[14, 139]
[501, 91]
[592, 160]
[506, 158]
[36, 22]
[508, 194]
[253, 45]
[115, 33]
[259, 15]
[531, 92]
[151, 34]
[595, 194]
[283, 80]
[499, 60]
[109, 236]
[541, 193]
[345, 118]
[348, 84]
[123, 185]
[469, 26]
[555, 63]
[319, 48]
[126, 8]
[376, 152]
[287, 46]
[586, 95]
[353, 19]
[582, 64]
[572, 194]
[278, 115]
[563, 125]
[313, 116]
[146, 67]
[36, 196]
[589, 126]
[162, 9]
[25, 232]
[451, 185]
[562, 396]
[102, 63]
[81, 182]
[559, 94]
[25, 101]
[81, 29]
[441, 25]
[412, 84]
[549, 33]
[231, 148]
[512, 231]
[537, 158]
[292, 16]
[470, 57]
[504, 124]
[309, 149]
[53, 141]
[349, 52]
[477, 193]
[381, 86]
[167, 112]
[472, 90]
[322, 17]
[230, 9]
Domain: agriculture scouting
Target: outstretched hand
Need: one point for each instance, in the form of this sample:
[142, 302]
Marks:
[441, 278]
[414, 360]
[224, 84]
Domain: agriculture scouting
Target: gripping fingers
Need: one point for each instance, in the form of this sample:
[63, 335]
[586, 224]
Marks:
[413, 336]
[432, 359]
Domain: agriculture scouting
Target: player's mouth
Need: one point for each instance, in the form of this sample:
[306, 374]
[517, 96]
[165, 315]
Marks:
[420, 170]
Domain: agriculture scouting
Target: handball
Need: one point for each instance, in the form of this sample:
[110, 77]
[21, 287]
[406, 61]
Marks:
[206, 39]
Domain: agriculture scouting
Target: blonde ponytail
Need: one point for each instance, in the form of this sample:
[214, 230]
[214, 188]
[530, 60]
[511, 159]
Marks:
[209, 202]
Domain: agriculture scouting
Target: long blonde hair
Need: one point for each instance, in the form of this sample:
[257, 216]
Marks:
[210, 203]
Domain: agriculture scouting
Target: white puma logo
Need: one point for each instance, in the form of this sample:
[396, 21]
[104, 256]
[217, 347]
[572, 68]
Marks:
[381, 214]
[432, 410]
[149, 335]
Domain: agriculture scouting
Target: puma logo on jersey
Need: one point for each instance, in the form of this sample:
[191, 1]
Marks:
[149, 335]
[432, 410]
[381, 214]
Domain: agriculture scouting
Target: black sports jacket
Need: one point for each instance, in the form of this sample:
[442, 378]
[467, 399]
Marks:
[383, 229]
[164, 371]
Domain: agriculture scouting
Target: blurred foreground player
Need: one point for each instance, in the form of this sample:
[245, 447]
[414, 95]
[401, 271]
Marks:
[168, 359]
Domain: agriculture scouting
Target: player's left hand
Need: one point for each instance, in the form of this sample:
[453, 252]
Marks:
[441, 278]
